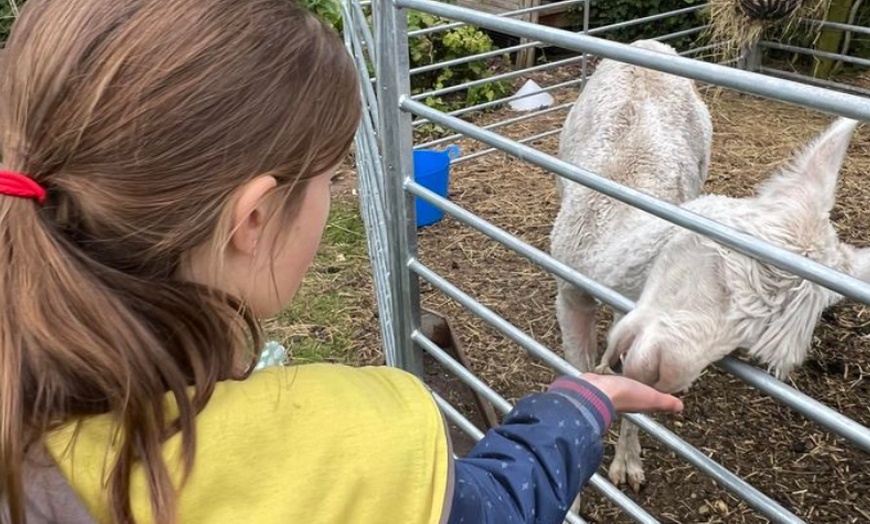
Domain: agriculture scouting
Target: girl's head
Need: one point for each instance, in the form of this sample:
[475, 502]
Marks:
[186, 147]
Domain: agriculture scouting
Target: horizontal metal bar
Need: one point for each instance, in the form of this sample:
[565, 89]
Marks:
[466, 59]
[503, 123]
[595, 31]
[647, 19]
[680, 34]
[533, 254]
[744, 81]
[517, 12]
[698, 50]
[824, 24]
[809, 407]
[453, 415]
[602, 485]
[535, 348]
[803, 404]
[474, 58]
[813, 52]
[561, 85]
[725, 478]
[461, 372]
[496, 78]
[512, 49]
[729, 61]
[744, 243]
[620, 499]
[500, 101]
[526, 140]
[797, 77]
[752, 496]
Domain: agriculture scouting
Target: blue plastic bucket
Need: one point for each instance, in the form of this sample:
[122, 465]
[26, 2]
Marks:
[432, 171]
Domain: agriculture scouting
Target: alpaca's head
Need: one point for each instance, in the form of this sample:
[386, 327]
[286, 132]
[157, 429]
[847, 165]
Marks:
[701, 300]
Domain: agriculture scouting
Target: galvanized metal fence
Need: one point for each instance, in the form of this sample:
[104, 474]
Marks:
[384, 147]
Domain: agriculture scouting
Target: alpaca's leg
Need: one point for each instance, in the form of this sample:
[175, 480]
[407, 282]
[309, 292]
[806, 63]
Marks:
[576, 312]
[627, 464]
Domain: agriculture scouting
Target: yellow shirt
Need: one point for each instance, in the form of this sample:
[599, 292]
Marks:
[307, 444]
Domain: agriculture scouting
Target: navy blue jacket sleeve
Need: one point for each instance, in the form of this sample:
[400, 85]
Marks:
[530, 469]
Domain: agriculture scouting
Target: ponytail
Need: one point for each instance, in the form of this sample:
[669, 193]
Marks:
[79, 338]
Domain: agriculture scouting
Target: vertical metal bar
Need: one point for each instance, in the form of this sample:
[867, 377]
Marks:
[370, 181]
[368, 39]
[393, 81]
[585, 67]
[455, 416]
[753, 58]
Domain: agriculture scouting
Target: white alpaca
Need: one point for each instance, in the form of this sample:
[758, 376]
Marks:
[641, 128]
[644, 129]
[701, 300]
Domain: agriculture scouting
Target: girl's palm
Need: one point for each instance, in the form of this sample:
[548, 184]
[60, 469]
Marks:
[631, 396]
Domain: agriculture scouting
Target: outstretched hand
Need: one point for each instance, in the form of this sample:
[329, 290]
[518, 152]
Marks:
[631, 396]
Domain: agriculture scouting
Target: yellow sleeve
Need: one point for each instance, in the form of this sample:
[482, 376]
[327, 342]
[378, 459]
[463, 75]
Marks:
[314, 444]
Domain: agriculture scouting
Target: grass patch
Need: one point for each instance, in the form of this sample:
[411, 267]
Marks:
[320, 323]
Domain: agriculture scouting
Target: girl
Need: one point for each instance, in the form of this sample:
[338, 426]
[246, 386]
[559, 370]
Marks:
[166, 183]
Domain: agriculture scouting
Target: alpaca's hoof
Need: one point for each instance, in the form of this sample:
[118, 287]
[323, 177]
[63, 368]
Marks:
[636, 478]
[624, 469]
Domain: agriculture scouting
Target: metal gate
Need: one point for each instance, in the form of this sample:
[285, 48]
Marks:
[384, 146]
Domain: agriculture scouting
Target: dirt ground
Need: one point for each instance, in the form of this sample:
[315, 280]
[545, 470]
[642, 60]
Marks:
[818, 476]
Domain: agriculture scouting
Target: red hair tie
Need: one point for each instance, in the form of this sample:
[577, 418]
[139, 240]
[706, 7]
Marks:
[17, 184]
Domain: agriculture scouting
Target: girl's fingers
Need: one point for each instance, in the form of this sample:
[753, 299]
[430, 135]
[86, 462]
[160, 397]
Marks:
[663, 402]
[634, 397]
[631, 396]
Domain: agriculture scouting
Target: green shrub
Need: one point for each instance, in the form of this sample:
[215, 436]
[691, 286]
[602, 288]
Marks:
[6, 18]
[438, 47]
[327, 10]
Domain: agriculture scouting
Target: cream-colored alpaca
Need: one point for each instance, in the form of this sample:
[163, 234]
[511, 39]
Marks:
[644, 129]
[701, 301]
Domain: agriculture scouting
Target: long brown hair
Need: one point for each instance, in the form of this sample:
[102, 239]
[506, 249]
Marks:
[142, 118]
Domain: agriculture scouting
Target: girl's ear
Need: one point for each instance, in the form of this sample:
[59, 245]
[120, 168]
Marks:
[249, 214]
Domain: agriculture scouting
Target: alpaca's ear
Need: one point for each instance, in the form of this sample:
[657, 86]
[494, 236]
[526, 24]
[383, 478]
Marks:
[811, 179]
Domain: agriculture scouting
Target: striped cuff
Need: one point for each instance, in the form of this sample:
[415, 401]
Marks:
[595, 406]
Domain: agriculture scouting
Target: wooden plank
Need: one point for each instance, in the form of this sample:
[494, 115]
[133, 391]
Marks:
[491, 6]
[526, 57]
[559, 19]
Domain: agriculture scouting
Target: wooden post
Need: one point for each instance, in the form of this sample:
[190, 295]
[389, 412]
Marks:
[526, 57]
[831, 39]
